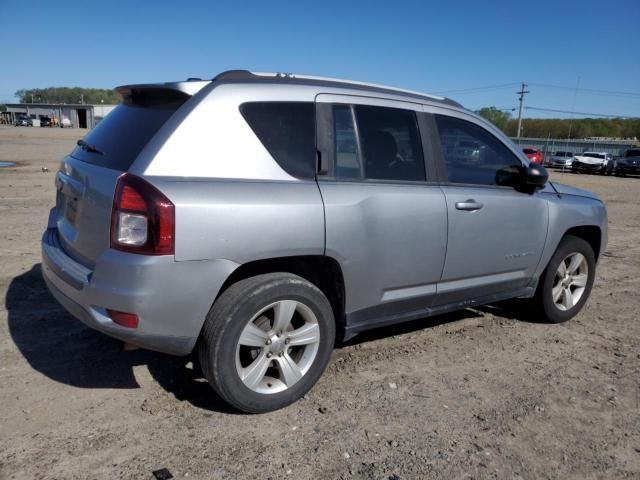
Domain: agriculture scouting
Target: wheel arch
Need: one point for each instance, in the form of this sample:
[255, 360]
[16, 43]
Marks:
[322, 271]
[592, 234]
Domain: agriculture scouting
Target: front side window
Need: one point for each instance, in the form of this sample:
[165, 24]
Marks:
[288, 132]
[389, 143]
[475, 156]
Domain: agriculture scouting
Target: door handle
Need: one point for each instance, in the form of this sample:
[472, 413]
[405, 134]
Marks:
[469, 205]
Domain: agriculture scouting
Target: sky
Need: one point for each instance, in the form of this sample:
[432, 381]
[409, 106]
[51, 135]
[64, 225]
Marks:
[576, 56]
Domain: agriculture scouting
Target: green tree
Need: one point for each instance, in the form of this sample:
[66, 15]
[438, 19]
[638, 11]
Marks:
[68, 95]
[564, 127]
[576, 128]
[498, 117]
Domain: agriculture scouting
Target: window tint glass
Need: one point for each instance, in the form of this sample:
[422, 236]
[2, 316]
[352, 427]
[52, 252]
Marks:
[346, 143]
[473, 155]
[125, 131]
[288, 132]
[390, 143]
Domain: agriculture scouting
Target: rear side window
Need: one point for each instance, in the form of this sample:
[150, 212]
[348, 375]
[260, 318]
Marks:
[288, 132]
[123, 133]
[389, 144]
[346, 143]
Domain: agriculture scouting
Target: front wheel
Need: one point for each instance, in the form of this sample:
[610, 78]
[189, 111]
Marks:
[566, 283]
[266, 341]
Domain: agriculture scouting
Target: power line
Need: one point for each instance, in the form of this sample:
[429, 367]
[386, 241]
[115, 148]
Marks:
[610, 93]
[478, 89]
[593, 91]
[553, 110]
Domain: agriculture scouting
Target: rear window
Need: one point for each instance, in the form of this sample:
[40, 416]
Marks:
[529, 151]
[632, 152]
[124, 132]
[288, 131]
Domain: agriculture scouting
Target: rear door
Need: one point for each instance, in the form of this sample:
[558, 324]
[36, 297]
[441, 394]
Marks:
[496, 233]
[386, 218]
[87, 179]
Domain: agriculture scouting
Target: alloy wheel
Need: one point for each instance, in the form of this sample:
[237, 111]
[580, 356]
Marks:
[277, 346]
[570, 281]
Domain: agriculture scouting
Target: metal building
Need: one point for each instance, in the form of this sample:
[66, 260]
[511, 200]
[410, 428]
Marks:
[78, 115]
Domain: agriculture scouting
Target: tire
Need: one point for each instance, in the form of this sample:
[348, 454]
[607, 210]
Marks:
[292, 370]
[562, 308]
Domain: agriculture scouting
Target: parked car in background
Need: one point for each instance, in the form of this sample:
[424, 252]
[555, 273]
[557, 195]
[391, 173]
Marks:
[332, 207]
[632, 152]
[629, 163]
[45, 121]
[590, 162]
[23, 121]
[561, 159]
[535, 155]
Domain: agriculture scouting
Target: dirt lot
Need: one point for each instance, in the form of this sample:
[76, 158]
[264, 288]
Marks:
[480, 394]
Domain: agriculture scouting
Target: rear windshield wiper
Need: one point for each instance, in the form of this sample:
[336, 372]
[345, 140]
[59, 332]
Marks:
[87, 147]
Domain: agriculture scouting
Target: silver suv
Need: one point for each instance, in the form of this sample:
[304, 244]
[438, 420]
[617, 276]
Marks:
[258, 219]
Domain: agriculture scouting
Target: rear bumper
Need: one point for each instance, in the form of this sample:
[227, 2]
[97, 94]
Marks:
[170, 298]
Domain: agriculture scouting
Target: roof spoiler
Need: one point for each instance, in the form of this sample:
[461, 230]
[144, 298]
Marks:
[189, 87]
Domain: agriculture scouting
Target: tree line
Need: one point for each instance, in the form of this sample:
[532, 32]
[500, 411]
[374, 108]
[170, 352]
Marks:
[576, 128]
[69, 95]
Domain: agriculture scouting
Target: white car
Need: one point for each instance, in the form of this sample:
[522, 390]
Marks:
[590, 162]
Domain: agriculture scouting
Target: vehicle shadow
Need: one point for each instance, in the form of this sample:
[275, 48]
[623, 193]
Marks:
[514, 309]
[65, 350]
[510, 309]
[412, 326]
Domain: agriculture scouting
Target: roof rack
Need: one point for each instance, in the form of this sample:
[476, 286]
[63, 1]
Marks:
[246, 75]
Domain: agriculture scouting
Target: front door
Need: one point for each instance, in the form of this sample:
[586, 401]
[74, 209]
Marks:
[496, 233]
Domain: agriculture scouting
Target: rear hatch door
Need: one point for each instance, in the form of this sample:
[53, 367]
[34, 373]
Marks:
[88, 176]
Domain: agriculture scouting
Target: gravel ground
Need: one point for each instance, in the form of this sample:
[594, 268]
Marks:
[483, 393]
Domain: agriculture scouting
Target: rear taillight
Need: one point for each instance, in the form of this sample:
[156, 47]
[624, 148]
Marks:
[142, 219]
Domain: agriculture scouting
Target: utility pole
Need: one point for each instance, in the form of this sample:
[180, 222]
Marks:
[521, 93]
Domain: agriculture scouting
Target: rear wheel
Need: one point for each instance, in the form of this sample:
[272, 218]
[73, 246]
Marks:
[566, 283]
[266, 341]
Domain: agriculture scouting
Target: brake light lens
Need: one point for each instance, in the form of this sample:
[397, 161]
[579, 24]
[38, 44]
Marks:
[142, 218]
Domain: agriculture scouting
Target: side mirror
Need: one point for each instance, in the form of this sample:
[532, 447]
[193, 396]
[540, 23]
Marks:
[536, 176]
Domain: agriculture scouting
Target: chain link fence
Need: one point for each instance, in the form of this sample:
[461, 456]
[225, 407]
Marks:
[550, 145]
